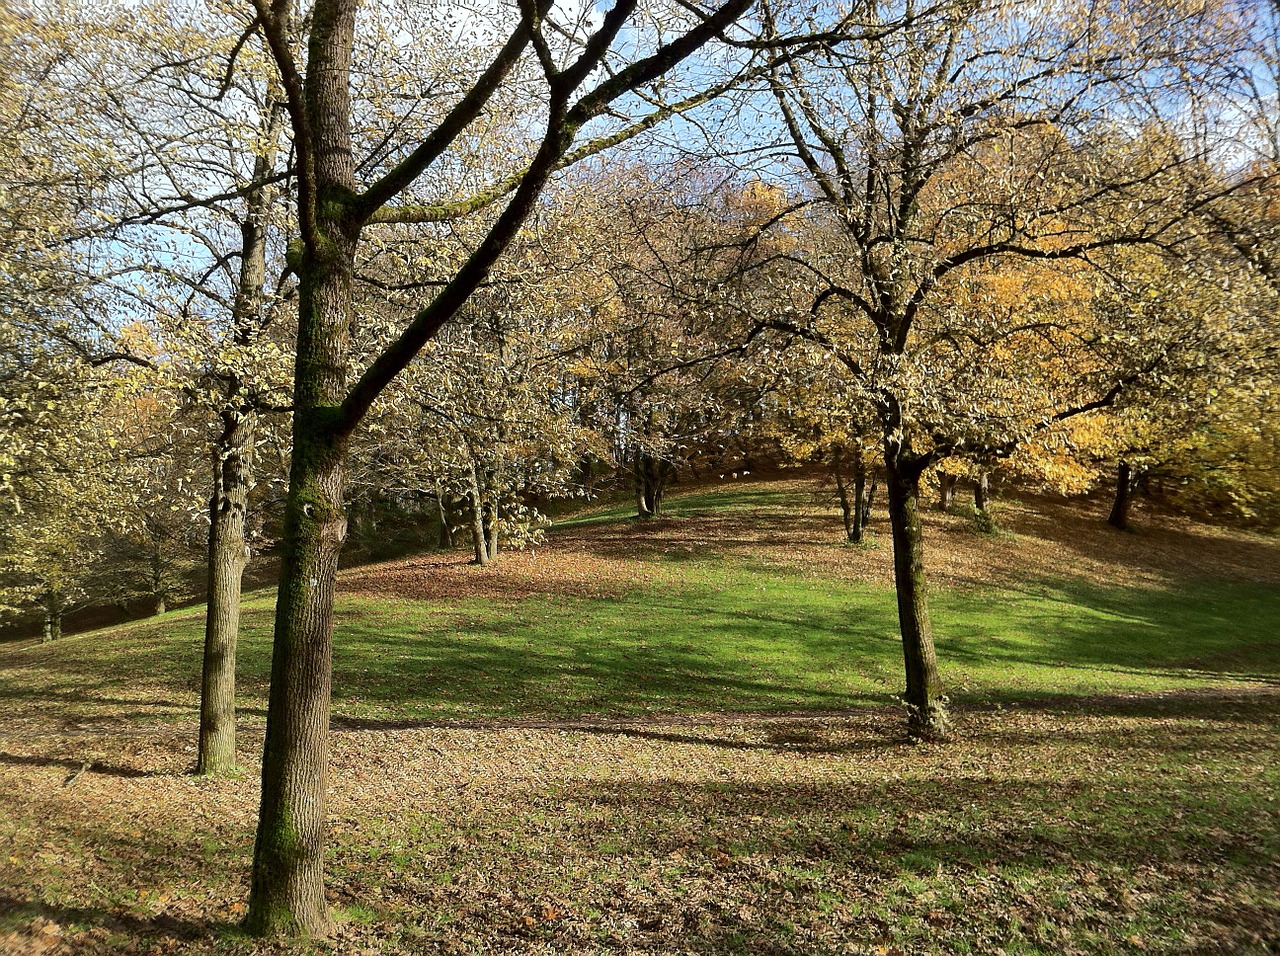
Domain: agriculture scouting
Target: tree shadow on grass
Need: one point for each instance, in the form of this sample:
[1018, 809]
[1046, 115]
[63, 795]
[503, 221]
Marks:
[108, 870]
[1219, 630]
[14, 910]
[76, 767]
[1259, 705]
[1008, 821]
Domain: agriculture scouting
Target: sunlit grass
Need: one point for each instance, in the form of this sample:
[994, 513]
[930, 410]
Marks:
[726, 638]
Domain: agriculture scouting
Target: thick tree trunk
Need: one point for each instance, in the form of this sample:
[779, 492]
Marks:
[1126, 484]
[869, 500]
[924, 696]
[946, 491]
[653, 476]
[445, 540]
[228, 509]
[288, 861]
[287, 894]
[982, 492]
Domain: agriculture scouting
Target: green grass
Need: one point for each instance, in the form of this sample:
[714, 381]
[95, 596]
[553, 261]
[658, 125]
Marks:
[727, 638]
[1087, 806]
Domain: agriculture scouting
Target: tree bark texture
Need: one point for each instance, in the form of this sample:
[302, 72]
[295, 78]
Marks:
[232, 479]
[287, 892]
[445, 508]
[228, 509]
[491, 529]
[479, 537]
[924, 696]
[52, 620]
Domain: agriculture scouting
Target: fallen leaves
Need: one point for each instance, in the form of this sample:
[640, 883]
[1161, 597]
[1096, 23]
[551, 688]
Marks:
[41, 936]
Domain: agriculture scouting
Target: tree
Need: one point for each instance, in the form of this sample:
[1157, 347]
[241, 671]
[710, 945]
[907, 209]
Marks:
[173, 139]
[888, 135]
[485, 421]
[338, 198]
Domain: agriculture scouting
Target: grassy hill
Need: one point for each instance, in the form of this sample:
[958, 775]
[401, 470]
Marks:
[681, 736]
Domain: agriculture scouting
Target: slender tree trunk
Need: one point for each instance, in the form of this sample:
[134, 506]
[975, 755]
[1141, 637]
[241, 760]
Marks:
[924, 696]
[867, 503]
[644, 500]
[491, 529]
[232, 479]
[478, 537]
[982, 492]
[159, 602]
[848, 510]
[655, 486]
[854, 510]
[1126, 484]
[228, 509]
[52, 617]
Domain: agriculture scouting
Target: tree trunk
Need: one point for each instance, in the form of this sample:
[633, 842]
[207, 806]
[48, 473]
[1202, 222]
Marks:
[927, 712]
[52, 617]
[445, 540]
[861, 502]
[946, 491]
[871, 486]
[854, 511]
[287, 893]
[491, 529]
[982, 492]
[653, 474]
[228, 509]
[233, 477]
[479, 539]
[1126, 484]
[644, 499]
[848, 510]
[159, 592]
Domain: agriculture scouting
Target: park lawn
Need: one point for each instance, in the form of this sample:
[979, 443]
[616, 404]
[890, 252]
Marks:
[722, 639]
[683, 738]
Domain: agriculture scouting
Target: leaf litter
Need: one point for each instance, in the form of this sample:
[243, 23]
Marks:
[1135, 823]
